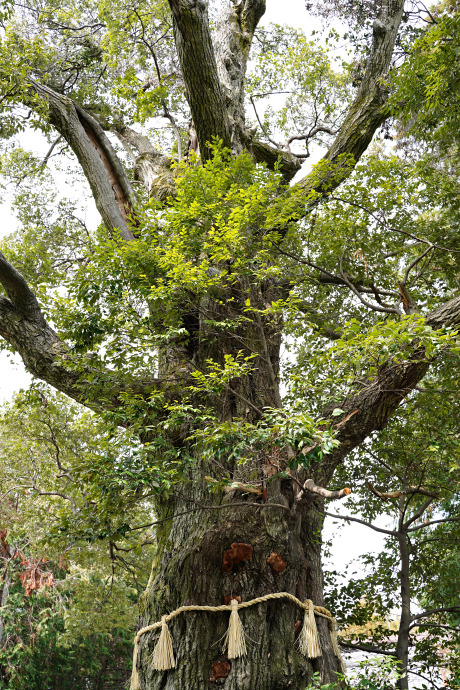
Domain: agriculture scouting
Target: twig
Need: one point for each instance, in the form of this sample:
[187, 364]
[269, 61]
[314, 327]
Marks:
[392, 533]
[430, 612]
[384, 309]
[433, 522]
[366, 648]
[49, 152]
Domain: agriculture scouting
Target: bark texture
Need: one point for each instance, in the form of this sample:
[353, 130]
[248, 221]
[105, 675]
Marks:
[107, 178]
[199, 69]
[232, 40]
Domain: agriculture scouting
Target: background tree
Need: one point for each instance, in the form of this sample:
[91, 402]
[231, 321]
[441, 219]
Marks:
[168, 319]
[417, 464]
[71, 573]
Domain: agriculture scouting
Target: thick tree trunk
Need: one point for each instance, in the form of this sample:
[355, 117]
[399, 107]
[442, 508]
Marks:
[190, 565]
[190, 571]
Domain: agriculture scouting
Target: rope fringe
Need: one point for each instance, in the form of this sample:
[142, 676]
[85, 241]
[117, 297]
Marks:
[135, 683]
[309, 644]
[235, 637]
[163, 654]
[335, 643]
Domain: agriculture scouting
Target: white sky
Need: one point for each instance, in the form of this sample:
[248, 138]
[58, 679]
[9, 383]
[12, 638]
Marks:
[353, 539]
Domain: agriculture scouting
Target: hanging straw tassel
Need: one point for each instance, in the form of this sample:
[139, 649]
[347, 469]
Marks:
[234, 636]
[135, 684]
[163, 654]
[309, 644]
[335, 644]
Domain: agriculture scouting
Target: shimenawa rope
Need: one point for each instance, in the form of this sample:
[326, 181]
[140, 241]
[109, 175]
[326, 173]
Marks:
[309, 645]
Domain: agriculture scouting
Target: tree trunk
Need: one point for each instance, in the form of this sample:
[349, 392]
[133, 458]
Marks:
[190, 571]
[189, 567]
[402, 645]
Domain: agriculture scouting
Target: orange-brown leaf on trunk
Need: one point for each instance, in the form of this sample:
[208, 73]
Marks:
[276, 563]
[237, 553]
[220, 669]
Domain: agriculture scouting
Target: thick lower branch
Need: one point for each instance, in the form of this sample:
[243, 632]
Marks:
[45, 356]
[19, 292]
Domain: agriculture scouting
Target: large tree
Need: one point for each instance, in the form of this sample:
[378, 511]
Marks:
[170, 318]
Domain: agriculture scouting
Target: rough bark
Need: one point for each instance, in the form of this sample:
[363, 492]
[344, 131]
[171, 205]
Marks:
[199, 70]
[232, 40]
[189, 570]
[107, 178]
[189, 567]
[151, 167]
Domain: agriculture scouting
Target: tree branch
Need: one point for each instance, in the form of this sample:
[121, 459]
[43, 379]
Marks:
[430, 612]
[392, 533]
[417, 514]
[25, 329]
[232, 40]
[367, 648]
[21, 296]
[375, 307]
[199, 69]
[396, 494]
[54, 493]
[379, 398]
[309, 485]
[108, 180]
[368, 110]
[433, 522]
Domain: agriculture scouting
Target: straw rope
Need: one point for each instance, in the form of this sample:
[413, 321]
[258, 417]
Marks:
[308, 639]
[319, 610]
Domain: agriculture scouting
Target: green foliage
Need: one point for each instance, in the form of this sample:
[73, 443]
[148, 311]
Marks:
[37, 653]
[75, 492]
[372, 674]
[428, 83]
[420, 448]
[233, 255]
[96, 54]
